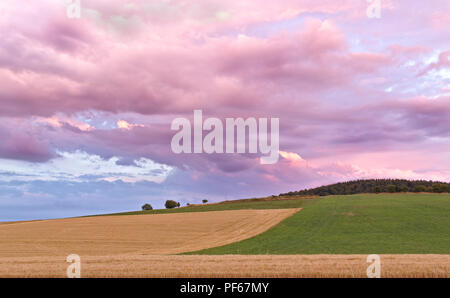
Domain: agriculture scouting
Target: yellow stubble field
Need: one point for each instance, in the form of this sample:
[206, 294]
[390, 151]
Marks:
[145, 246]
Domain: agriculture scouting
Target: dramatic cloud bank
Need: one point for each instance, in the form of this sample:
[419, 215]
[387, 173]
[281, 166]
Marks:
[86, 103]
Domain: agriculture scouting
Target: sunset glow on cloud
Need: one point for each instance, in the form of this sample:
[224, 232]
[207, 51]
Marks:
[87, 103]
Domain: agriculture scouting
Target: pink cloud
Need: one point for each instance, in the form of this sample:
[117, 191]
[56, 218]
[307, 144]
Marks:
[443, 62]
[345, 87]
[23, 142]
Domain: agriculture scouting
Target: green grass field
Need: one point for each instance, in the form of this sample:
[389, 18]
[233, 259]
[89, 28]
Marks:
[356, 224]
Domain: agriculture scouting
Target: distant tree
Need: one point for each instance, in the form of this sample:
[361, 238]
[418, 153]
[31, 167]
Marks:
[147, 207]
[204, 201]
[440, 187]
[377, 189]
[171, 204]
[188, 204]
[402, 188]
[391, 188]
[178, 204]
[420, 188]
[323, 193]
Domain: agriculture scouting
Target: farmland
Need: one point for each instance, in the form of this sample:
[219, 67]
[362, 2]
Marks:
[358, 224]
[275, 237]
[144, 234]
[229, 266]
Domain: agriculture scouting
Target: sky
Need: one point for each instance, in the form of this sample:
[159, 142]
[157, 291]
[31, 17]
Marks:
[86, 104]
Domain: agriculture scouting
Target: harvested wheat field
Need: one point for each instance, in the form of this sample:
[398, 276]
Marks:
[137, 234]
[230, 266]
[144, 246]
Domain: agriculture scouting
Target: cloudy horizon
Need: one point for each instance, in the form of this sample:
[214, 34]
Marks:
[87, 103]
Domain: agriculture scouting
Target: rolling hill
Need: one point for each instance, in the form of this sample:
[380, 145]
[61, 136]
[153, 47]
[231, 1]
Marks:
[357, 224]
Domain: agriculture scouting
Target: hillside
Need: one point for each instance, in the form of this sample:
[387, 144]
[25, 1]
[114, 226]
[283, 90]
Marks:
[273, 202]
[357, 224]
[374, 186]
[135, 234]
[330, 237]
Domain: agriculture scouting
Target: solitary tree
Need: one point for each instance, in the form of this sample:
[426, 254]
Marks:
[147, 207]
[171, 204]
[205, 201]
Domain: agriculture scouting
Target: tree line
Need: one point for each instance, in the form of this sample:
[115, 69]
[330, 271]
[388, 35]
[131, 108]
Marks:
[374, 186]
